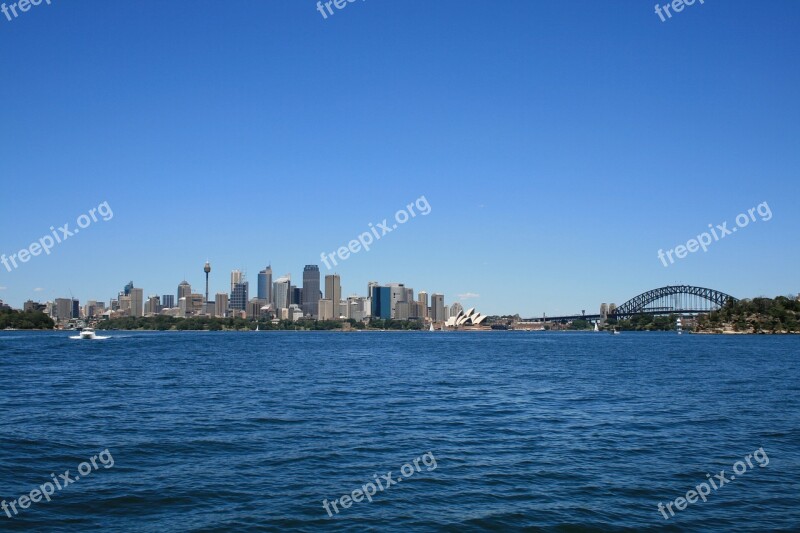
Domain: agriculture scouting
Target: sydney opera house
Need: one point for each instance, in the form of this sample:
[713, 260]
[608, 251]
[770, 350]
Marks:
[467, 320]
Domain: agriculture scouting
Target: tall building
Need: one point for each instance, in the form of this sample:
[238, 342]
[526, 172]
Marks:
[152, 306]
[381, 302]
[137, 302]
[168, 301]
[326, 309]
[265, 285]
[221, 304]
[398, 294]
[240, 295]
[184, 289]
[63, 309]
[127, 290]
[333, 292]
[311, 295]
[437, 308]
[455, 309]
[281, 292]
[296, 294]
[236, 277]
[422, 298]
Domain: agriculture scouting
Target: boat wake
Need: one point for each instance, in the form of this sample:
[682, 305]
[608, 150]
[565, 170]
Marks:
[95, 338]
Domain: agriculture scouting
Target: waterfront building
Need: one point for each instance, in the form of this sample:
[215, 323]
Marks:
[381, 302]
[437, 308]
[239, 295]
[422, 298]
[236, 277]
[296, 296]
[265, 285]
[281, 292]
[137, 301]
[333, 292]
[326, 309]
[221, 305]
[63, 309]
[184, 289]
[168, 301]
[152, 306]
[311, 294]
[401, 311]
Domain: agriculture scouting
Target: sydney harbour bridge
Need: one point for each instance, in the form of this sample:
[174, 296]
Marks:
[672, 299]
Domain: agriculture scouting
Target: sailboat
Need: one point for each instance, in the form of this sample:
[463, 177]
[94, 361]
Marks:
[257, 326]
[431, 328]
[596, 327]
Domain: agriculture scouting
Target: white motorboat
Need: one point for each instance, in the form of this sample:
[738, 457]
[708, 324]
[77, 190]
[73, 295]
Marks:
[88, 334]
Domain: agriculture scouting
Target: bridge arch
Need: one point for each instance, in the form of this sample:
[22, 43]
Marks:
[673, 299]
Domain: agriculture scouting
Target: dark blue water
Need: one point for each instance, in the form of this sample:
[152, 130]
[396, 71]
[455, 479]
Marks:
[544, 431]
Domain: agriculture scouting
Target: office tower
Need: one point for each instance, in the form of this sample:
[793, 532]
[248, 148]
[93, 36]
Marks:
[184, 289]
[168, 301]
[127, 290]
[76, 308]
[265, 285]
[370, 285]
[240, 295]
[437, 307]
[355, 308]
[401, 311]
[207, 270]
[236, 277]
[398, 294]
[296, 296]
[423, 304]
[125, 305]
[63, 309]
[333, 292]
[326, 308]
[311, 295]
[381, 302]
[221, 304]
[455, 309]
[281, 292]
[152, 305]
[137, 301]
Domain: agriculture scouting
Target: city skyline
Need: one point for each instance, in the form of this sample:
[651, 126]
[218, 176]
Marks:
[556, 173]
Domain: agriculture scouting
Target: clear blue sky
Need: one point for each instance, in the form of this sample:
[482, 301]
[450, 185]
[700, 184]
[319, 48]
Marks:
[560, 145]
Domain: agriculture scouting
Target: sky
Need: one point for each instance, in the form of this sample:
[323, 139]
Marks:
[559, 145]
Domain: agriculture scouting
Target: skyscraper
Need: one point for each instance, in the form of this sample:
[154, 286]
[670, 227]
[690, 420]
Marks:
[240, 295]
[236, 277]
[265, 285]
[437, 308]
[311, 290]
[423, 304]
[221, 304]
[333, 292]
[281, 292]
[184, 289]
[168, 301]
[137, 301]
[381, 302]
